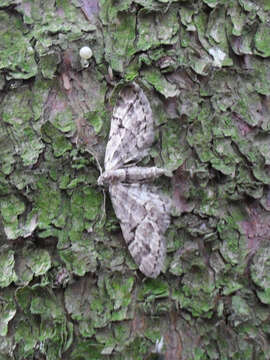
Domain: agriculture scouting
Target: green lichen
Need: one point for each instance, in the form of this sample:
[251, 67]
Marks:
[173, 137]
[119, 41]
[47, 202]
[11, 208]
[39, 261]
[52, 327]
[154, 77]
[7, 313]
[81, 257]
[7, 262]
[150, 35]
[96, 119]
[260, 273]
[17, 114]
[63, 121]
[17, 53]
[261, 40]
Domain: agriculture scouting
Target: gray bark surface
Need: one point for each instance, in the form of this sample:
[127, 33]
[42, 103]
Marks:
[69, 288]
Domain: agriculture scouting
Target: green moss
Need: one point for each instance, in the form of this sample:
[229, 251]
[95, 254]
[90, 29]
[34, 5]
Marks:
[7, 262]
[7, 312]
[11, 208]
[17, 54]
[260, 274]
[63, 121]
[47, 202]
[81, 257]
[230, 236]
[85, 349]
[96, 119]
[241, 311]
[119, 41]
[154, 288]
[154, 77]
[17, 112]
[173, 137]
[39, 261]
[261, 40]
[238, 19]
[150, 35]
[26, 335]
[120, 293]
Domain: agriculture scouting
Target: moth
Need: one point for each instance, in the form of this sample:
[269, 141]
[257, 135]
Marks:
[143, 212]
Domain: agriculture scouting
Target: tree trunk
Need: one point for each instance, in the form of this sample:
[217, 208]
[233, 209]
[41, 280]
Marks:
[69, 289]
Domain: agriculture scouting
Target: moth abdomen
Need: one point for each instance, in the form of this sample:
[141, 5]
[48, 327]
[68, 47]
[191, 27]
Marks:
[130, 175]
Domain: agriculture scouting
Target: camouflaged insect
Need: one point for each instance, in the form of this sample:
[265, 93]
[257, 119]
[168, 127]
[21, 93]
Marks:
[142, 211]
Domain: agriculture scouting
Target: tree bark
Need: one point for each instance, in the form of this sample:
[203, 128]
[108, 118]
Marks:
[69, 289]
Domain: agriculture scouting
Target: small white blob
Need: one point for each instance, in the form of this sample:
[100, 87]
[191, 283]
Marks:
[86, 53]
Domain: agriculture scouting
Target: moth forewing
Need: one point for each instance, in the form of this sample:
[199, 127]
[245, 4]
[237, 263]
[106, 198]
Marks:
[142, 211]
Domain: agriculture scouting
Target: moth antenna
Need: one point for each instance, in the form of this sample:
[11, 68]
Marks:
[92, 152]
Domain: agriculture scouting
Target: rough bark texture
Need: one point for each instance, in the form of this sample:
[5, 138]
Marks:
[68, 286]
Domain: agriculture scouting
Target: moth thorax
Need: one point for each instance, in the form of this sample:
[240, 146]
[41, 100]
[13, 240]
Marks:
[109, 177]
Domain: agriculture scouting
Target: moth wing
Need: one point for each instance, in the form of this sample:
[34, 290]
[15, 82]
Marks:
[144, 217]
[132, 128]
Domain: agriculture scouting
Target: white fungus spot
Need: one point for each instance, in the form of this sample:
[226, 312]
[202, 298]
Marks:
[86, 53]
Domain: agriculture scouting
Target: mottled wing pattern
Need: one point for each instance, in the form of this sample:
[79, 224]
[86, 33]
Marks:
[142, 211]
[143, 215]
[132, 129]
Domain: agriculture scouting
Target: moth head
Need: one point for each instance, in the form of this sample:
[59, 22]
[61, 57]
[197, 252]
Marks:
[104, 179]
[108, 177]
